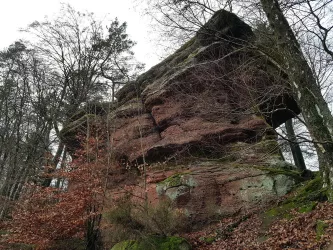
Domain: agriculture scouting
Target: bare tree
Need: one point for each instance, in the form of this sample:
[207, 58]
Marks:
[70, 62]
[87, 61]
[25, 124]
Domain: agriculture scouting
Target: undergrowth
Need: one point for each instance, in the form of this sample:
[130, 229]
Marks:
[135, 221]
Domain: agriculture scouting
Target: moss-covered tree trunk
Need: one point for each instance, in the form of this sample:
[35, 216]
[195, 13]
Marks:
[305, 89]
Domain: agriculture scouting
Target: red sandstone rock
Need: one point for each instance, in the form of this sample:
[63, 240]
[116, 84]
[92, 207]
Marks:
[209, 100]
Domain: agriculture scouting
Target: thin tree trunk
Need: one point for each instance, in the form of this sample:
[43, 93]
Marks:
[57, 158]
[63, 164]
[304, 88]
[294, 146]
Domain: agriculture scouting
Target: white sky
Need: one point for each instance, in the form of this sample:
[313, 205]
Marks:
[16, 14]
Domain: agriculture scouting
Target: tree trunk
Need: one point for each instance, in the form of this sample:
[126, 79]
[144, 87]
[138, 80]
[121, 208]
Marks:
[304, 88]
[57, 158]
[294, 146]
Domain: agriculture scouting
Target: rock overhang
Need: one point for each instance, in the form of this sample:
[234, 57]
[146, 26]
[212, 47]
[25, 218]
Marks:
[214, 90]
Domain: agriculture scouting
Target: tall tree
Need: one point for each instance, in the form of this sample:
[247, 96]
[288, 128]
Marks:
[305, 89]
[87, 61]
[85, 57]
[25, 126]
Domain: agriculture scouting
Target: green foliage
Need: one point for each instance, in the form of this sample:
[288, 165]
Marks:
[154, 243]
[320, 228]
[125, 245]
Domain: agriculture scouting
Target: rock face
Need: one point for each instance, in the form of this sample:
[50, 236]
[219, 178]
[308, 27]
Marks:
[212, 91]
[202, 121]
[213, 189]
[252, 175]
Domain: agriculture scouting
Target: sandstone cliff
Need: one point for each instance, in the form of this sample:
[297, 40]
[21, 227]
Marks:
[198, 127]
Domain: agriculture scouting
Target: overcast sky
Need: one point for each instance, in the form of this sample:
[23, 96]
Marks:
[16, 14]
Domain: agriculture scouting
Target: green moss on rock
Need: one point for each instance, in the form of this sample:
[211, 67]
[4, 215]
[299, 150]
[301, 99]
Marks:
[305, 199]
[154, 243]
[208, 239]
[310, 191]
[306, 208]
[173, 180]
[282, 211]
[176, 180]
[176, 185]
[320, 228]
[329, 195]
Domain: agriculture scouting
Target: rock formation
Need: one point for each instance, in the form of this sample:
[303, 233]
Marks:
[202, 123]
[213, 90]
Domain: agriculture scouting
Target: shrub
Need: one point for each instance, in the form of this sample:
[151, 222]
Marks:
[132, 221]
